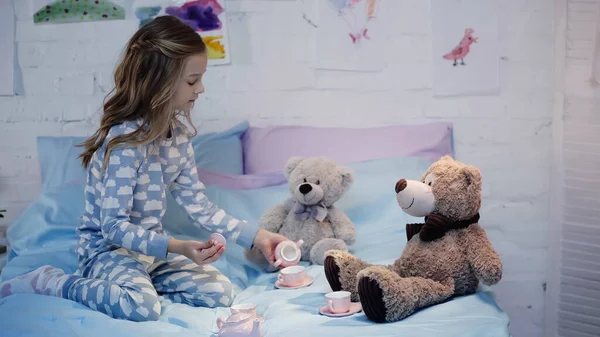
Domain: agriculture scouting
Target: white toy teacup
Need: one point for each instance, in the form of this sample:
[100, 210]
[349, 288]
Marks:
[291, 276]
[288, 253]
[338, 301]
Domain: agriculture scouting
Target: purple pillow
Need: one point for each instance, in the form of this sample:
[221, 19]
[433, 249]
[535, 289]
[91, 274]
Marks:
[240, 182]
[266, 150]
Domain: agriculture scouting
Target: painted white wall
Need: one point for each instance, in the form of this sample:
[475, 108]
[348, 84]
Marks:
[67, 71]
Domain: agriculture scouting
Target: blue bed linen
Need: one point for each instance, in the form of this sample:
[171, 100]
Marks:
[44, 234]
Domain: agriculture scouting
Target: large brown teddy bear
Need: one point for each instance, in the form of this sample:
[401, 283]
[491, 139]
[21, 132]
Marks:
[444, 257]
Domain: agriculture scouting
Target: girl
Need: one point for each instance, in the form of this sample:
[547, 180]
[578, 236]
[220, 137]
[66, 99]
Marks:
[141, 149]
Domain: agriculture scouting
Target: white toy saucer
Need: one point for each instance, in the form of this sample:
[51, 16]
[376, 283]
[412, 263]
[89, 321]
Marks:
[308, 280]
[218, 238]
[354, 308]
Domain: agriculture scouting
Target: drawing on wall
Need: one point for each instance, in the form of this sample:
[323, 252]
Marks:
[356, 14]
[202, 15]
[69, 11]
[207, 17]
[349, 35]
[146, 13]
[462, 50]
[465, 47]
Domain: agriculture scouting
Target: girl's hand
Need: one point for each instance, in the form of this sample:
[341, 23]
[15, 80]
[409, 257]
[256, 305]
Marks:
[199, 252]
[267, 241]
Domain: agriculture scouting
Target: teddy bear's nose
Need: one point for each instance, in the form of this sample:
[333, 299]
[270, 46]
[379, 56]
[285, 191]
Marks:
[400, 185]
[305, 188]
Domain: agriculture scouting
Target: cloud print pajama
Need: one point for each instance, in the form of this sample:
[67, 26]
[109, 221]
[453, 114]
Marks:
[123, 260]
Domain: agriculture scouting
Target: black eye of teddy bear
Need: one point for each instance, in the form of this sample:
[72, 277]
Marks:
[429, 179]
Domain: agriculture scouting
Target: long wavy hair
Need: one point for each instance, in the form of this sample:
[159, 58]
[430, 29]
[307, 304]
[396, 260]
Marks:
[145, 82]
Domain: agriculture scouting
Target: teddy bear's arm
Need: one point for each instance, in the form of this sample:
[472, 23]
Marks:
[342, 227]
[273, 218]
[484, 260]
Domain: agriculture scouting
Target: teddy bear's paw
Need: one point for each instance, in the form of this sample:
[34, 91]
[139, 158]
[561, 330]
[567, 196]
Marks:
[338, 254]
[371, 299]
[332, 273]
[341, 269]
[318, 250]
[382, 295]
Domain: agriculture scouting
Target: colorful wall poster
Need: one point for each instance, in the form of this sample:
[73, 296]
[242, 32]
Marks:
[71, 11]
[206, 17]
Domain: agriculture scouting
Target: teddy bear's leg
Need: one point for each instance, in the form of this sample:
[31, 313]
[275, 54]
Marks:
[317, 252]
[341, 269]
[387, 297]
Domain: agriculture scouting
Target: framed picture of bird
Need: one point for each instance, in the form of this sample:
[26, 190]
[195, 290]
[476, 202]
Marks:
[465, 47]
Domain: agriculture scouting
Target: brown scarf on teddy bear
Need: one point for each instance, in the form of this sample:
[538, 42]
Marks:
[436, 225]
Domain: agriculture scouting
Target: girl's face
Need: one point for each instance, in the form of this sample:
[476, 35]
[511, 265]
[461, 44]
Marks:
[190, 85]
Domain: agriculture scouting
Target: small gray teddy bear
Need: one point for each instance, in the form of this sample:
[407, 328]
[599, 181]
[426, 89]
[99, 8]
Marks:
[315, 184]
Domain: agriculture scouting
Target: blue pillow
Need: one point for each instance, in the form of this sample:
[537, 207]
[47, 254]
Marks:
[218, 151]
[58, 160]
[221, 151]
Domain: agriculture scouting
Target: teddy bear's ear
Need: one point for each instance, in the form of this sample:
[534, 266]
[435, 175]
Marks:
[347, 175]
[472, 174]
[291, 164]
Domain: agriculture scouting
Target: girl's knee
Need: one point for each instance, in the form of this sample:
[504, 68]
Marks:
[225, 298]
[228, 295]
[151, 306]
[139, 306]
[220, 296]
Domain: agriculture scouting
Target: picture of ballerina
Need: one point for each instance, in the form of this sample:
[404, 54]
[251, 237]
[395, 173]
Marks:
[356, 14]
[463, 48]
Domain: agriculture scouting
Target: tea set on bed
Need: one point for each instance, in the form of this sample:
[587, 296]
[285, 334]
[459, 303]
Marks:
[292, 276]
[447, 195]
[244, 321]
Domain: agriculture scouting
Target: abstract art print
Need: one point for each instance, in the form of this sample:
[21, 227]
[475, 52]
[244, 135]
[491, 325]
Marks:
[348, 35]
[74, 11]
[465, 47]
[206, 17]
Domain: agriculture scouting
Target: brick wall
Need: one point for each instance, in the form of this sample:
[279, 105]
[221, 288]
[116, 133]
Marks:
[67, 71]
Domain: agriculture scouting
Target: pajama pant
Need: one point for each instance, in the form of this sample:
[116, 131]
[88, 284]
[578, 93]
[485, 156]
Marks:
[125, 286]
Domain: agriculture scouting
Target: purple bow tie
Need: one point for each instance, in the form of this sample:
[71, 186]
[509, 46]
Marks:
[318, 211]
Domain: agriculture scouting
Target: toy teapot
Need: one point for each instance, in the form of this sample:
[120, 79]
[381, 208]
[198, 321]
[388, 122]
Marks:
[239, 325]
[288, 253]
